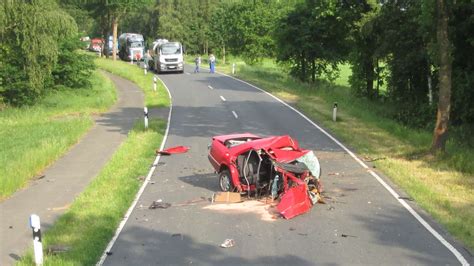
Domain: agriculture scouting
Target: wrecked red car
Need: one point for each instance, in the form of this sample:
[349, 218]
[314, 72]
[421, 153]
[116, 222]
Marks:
[273, 167]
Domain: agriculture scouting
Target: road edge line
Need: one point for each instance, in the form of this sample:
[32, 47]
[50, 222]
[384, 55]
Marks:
[142, 188]
[418, 217]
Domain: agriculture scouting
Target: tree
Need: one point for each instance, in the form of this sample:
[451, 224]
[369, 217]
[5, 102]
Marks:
[30, 34]
[314, 37]
[445, 69]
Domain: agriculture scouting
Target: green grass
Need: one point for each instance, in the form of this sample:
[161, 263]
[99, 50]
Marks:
[31, 138]
[135, 74]
[442, 185]
[90, 223]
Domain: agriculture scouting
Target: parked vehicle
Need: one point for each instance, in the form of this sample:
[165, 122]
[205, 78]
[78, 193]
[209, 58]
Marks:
[96, 45]
[111, 45]
[167, 56]
[86, 41]
[272, 166]
[131, 46]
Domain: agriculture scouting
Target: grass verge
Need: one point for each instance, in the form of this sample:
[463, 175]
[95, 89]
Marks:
[442, 185]
[87, 227]
[31, 138]
[153, 99]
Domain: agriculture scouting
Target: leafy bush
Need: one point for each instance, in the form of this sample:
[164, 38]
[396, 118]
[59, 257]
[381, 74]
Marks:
[30, 32]
[73, 69]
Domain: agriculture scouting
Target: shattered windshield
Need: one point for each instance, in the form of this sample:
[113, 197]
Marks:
[170, 48]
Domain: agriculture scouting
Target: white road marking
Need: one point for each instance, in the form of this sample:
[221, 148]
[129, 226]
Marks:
[210, 87]
[235, 114]
[187, 73]
[142, 188]
[420, 219]
[223, 99]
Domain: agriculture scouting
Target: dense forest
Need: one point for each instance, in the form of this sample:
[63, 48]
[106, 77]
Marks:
[414, 56]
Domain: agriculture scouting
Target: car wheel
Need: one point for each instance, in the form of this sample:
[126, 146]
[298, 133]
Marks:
[225, 181]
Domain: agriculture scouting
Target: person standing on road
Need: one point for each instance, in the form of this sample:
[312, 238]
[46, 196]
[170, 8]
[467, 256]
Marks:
[198, 63]
[212, 63]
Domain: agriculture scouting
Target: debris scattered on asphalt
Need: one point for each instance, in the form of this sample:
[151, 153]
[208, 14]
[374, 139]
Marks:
[10, 227]
[178, 235]
[334, 173]
[302, 234]
[108, 253]
[159, 205]
[152, 182]
[173, 150]
[228, 243]
[191, 202]
[226, 197]
[331, 208]
[344, 235]
[266, 212]
[57, 249]
[292, 229]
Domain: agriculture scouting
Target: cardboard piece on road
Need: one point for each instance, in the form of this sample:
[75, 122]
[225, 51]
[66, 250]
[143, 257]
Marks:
[227, 197]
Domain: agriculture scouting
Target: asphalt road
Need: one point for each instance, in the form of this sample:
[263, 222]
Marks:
[362, 223]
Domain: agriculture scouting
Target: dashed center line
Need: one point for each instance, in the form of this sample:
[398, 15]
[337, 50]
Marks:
[210, 87]
[235, 114]
[223, 98]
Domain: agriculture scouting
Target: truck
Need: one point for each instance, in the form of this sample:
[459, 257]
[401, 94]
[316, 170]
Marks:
[131, 46]
[166, 56]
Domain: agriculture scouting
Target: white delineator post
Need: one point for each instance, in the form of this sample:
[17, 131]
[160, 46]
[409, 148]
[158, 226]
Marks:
[37, 244]
[145, 68]
[154, 83]
[145, 113]
[334, 112]
[233, 68]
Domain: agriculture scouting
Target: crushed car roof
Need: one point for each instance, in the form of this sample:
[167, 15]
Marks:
[282, 148]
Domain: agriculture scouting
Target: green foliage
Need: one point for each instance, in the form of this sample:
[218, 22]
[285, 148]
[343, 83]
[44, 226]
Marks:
[400, 36]
[246, 29]
[73, 69]
[314, 37]
[462, 26]
[30, 33]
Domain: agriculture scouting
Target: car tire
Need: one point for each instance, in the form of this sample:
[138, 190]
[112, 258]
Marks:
[225, 181]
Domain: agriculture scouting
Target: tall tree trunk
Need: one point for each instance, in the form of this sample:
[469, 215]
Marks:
[223, 51]
[114, 39]
[377, 76]
[445, 67]
[303, 67]
[313, 70]
[369, 78]
[430, 86]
